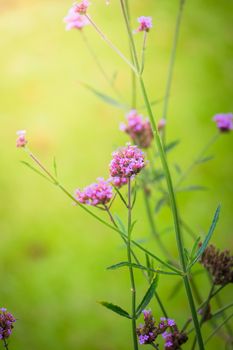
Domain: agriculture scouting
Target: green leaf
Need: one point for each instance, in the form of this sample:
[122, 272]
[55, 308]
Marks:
[120, 224]
[132, 226]
[55, 166]
[35, 170]
[207, 239]
[161, 202]
[192, 188]
[186, 254]
[107, 99]
[120, 195]
[152, 103]
[147, 297]
[141, 267]
[150, 267]
[115, 308]
[221, 311]
[204, 160]
[194, 248]
[169, 147]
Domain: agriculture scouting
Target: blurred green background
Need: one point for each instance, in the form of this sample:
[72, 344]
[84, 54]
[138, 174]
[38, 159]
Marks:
[53, 257]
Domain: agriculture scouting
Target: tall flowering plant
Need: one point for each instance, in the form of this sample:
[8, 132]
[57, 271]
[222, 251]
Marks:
[133, 168]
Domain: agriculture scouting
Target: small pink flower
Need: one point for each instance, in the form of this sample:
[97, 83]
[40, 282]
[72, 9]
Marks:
[161, 124]
[119, 181]
[224, 121]
[139, 129]
[82, 7]
[21, 139]
[127, 162]
[145, 24]
[74, 20]
[99, 193]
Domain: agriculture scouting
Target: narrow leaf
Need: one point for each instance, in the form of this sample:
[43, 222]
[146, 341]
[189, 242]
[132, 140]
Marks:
[169, 147]
[194, 248]
[161, 202]
[107, 99]
[204, 160]
[207, 239]
[115, 308]
[147, 297]
[55, 166]
[222, 310]
[120, 224]
[192, 188]
[141, 267]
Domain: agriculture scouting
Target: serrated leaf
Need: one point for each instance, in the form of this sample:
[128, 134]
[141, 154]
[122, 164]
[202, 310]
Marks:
[35, 170]
[207, 239]
[115, 308]
[107, 99]
[204, 160]
[148, 296]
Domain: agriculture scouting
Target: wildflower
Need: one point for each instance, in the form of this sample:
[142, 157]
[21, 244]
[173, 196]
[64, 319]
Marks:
[161, 124]
[219, 264]
[145, 24]
[21, 140]
[138, 129]
[127, 162]
[82, 7]
[119, 181]
[174, 340]
[149, 331]
[74, 20]
[99, 193]
[6, 323]
[224, 121]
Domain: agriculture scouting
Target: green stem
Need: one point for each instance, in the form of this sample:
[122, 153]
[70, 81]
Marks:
[101, 69]
[169, 185]
[131, 273]
[217, 329]
[5, 344]
[110, 44]
[171, 64]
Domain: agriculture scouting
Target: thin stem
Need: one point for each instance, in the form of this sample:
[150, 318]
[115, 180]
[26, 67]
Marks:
[217, 329]
[96, 59]
[133, 76]
[172, 62]
[105, 38]
[143, 52]
[5, 344]
[170, 188]
[131, 273]
[197, 160]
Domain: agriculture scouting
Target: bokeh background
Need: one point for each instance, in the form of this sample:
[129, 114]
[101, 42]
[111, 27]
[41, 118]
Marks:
[53, 257]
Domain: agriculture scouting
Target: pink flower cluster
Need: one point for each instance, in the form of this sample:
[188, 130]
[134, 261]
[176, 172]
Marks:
[21, 139]
[224, 121]
[99, 193]
[82, 7]
[145, 24]
[127, 162]
[74, 20]
[138, 129]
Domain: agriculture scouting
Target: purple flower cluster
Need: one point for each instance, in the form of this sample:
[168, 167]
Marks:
[81, 7]
[127, 162]
[6, 323]
[138, 129]
[74, 20]
[99, 193]
[224, 121]
[145, 24]
[149, 331]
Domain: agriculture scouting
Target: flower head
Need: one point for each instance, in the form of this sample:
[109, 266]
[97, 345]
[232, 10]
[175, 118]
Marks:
[174, 340]
[224, 121]
[127, 162]
[21, 139]
[145, 24]
[99, 193]
[139, 129]
[6, 323]
[74, 20]
[219, 264]
[119, 181]
[82, 7]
